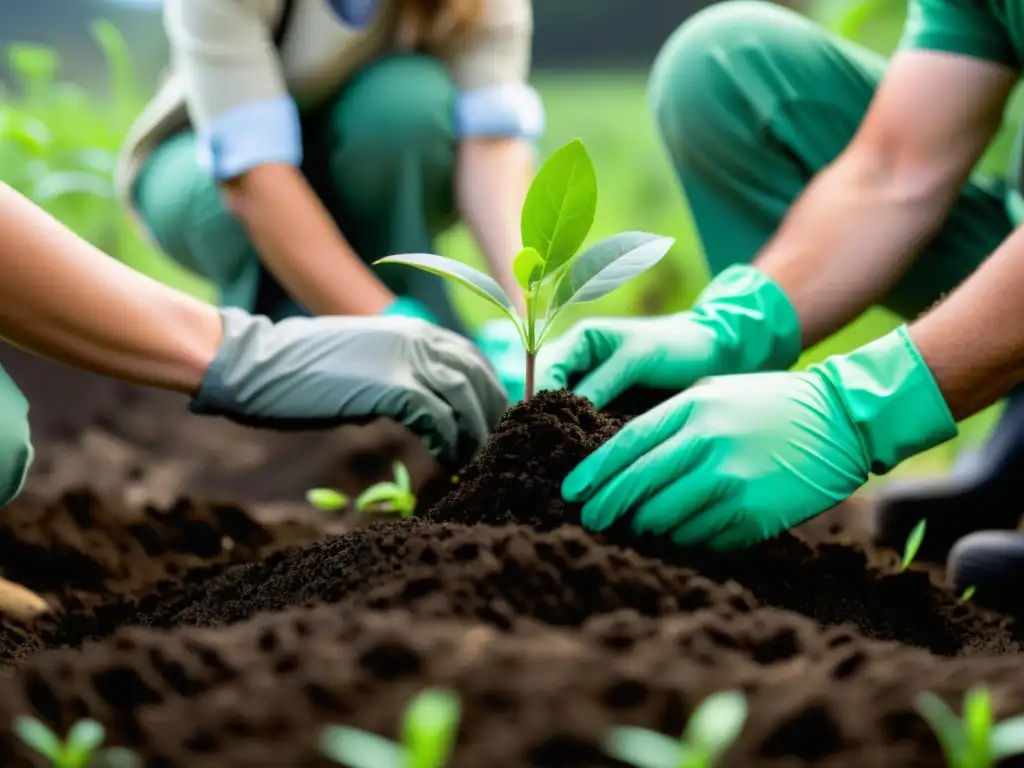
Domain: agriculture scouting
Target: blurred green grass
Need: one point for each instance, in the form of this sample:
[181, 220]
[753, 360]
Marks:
[58, 145]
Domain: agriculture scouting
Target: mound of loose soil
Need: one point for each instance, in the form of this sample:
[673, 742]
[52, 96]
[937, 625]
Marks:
[207, 633]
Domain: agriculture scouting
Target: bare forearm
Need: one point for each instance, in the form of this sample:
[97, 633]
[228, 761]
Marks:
[973, 342]
[492, 180]
[301, 245]
[64, 299]
[853, 234]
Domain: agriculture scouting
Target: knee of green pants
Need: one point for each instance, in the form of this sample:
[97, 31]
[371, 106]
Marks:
[15, 441]
[717, 79]
[393, 144]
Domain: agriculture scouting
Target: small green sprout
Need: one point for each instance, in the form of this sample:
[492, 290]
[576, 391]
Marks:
[967, 594]
[556, 218]
[396, 497]
[326, 499]
[712, 729]
[79, 750]
[455, 479]
[975, 741]
[913, 544]
[429, 727]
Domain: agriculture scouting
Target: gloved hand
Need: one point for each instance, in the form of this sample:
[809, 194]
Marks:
[741, 323]
[499, 341]
[739, 459]
[406, 306]
[317, 372]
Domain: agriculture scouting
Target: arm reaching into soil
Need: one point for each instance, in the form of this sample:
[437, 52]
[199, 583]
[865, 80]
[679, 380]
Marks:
[64, 299]
[854, 232]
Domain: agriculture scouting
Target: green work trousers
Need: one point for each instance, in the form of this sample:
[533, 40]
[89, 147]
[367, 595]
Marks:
[752, 100]
[15, 441]
[380, 155]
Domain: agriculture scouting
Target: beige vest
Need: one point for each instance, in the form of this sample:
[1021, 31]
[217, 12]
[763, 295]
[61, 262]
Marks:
[222, 56]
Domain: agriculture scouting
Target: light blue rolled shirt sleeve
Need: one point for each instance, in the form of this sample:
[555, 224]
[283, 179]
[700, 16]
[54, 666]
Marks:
[508, 110]
[250, 135]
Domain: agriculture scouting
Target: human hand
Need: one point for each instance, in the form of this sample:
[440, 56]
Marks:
[740, 459]
[741, 323]
[309, 373]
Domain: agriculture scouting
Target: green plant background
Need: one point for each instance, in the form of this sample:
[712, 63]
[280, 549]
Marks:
[59, 146]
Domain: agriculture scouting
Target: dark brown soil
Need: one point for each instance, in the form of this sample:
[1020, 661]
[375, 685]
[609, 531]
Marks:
[226, 633]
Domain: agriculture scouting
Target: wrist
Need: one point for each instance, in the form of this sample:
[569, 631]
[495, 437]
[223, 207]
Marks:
[755, 325]
[891, 398]
[204, 335]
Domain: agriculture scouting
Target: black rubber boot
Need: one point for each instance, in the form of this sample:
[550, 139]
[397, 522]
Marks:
[992, 563]
[981, 494]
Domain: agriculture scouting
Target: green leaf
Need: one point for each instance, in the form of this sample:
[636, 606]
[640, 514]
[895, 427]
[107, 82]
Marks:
[716, 723]
[430, 726]
[378, 493]
[482, 285]
[326, 499]
[605, 266]
[967, 594]
[402, 479]
[977, 718]
[560, 206]
[83, 739]
[642, 748]
[528, 267]
[38, 736]
[359, 749]
[913, 544]
[1008, 738]
[946, 726]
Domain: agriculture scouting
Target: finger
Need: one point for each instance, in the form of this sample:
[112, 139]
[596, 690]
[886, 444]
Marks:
[691, 489]
[473, 393]
[607, 381]
[572, 353]
[639, 436]
[734, 536]
[427, 415]
[648, 475]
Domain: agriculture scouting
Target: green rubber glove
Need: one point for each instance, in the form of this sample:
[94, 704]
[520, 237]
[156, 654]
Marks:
[405, 306]
[499, 341]
[741, 323]
[318, 372]
[739, 459]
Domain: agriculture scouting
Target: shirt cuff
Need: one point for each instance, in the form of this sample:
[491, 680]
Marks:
[251, 135]
[513, 110]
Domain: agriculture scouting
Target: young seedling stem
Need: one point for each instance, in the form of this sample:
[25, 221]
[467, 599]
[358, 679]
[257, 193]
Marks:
[973, 740]
[550, 269]
[394, 497]
[913, 544]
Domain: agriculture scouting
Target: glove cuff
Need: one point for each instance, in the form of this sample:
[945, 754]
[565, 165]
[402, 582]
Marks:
[892, 399]
[218, 395]
[756, 326]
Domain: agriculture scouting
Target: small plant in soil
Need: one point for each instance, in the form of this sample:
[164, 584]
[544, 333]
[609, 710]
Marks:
[327, 499]
[390, 497]
[556, 218]
[429, 728]
[967, 594]
[913, 544]
[712, 729]
[79, 750]
[973, 740]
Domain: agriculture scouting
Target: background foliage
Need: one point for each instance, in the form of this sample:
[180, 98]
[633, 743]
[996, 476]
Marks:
[59, 141]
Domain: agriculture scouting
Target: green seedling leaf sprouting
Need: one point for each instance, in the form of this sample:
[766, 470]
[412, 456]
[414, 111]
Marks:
[528, 268]
[326, 499]
[605, 266]
[972, 741]
[967, 594]
[429, 727]
[913, 544]
[79, 750]
[560, 206]
[396, 497]
[556, 219]
[712, 729]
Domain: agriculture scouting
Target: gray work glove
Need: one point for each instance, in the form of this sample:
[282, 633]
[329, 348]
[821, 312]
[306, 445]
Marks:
[320, 372]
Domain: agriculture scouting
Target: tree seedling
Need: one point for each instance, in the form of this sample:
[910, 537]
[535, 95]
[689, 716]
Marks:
[556, 218]
[429, 727]
[326, 499]
[973, 741]
[79, 750]
[913, 544]
[712, 729]
[394, 497]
